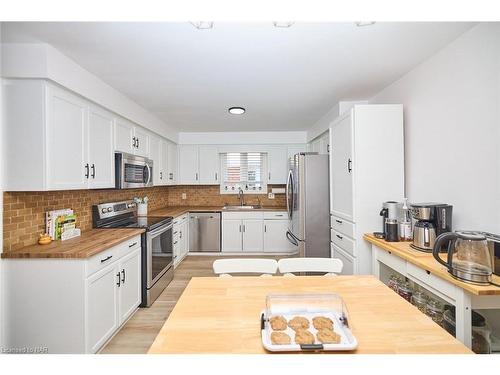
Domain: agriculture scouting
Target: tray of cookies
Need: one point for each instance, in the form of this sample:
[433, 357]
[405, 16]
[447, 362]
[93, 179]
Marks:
[306, 322]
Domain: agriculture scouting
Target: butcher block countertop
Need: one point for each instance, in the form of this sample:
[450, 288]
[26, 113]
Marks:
[175, 211]
[427, 262]
[90, 243]
[222, 315]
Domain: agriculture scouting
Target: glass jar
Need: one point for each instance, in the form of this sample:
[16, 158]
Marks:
[419, 300]
[393, 282]
[405, 291]
[434, 310]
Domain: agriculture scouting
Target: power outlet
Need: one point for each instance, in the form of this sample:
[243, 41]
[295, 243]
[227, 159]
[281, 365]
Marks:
[270, 195]
[184, 196]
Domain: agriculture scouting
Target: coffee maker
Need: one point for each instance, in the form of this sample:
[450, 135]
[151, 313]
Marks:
[432, 219]
[389, 213]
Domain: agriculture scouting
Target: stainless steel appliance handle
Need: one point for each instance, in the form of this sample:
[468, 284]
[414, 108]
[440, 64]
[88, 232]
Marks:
[160, 230]
[289, 190]
[149, 174]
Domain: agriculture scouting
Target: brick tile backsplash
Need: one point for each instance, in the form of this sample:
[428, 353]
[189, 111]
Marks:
[24, 212]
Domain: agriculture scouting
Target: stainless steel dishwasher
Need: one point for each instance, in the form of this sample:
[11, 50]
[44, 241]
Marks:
[204, 231]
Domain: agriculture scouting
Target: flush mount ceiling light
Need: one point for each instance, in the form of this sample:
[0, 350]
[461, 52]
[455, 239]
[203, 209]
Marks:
[236, 110]
[202, 25]
[365, 23]
[283, 24]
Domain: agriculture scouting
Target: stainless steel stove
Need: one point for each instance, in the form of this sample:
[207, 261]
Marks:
[157, 247]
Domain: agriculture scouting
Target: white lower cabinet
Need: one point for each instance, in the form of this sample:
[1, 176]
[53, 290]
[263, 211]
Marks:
[349, 262]
[232, 240]
[75, 305]
[180, 238]
[252, 234]
[275, 240]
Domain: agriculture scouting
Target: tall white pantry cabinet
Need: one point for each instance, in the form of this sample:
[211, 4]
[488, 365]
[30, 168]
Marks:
[366, 169]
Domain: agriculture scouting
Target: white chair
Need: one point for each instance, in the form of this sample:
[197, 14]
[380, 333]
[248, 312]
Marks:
[330, 266]
[263, 267]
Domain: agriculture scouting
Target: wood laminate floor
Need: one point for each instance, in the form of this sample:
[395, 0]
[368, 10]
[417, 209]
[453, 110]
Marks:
[137, 335]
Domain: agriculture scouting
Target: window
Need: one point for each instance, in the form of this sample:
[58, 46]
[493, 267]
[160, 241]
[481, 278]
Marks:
[245, 170]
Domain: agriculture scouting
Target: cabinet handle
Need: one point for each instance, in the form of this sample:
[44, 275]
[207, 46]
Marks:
[328, 148]
[132, 245]
[196, 176]
[161, 176]
[338, 221]
[119, 280]
[175, 243]
[137, 142]
[243, 228]
[349, 163]
[123, 276]
[175, 232]
[269, 175]
[106, 259]
[265, 228]
[339, 237]
[180, 234]
[87, 170]
[216, 177]
[240, 229]
[278, 215]
[133, 142]
[171, 176]
[93, 171]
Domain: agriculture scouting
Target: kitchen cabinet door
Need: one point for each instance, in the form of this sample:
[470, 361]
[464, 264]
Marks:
[164, 162]
[231, 235]
[67, 166]
[209, 165]
[156, 155]
[177, 250]
[142, 142]
[275, 240]
[349, 263]
[100, 149]
[124, 136]
[253, 235]
[172, 163]
[130, 284]
[324, 144]
[277, 165]
[188, 165]
[102, 307]
[183, 240]
[341, 169]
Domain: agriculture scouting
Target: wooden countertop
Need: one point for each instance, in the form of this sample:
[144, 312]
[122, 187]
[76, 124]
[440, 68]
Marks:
[427, 262]
[90, 243]
[222, 315]
[175, 211]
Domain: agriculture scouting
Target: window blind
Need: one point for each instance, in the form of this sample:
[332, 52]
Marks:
[243, 169]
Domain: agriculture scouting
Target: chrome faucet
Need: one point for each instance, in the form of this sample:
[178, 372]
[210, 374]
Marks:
[241, 197]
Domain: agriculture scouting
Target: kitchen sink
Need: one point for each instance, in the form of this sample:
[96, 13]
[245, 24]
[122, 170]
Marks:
[240, 208]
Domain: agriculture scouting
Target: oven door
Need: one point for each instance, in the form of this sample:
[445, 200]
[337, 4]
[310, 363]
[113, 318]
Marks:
[159, 253]
[134, 171]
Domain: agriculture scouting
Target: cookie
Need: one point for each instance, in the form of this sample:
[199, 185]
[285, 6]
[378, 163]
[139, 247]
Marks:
[321, 322]
[280, 338]
[303, 336]
[299, 322]
[278, 323]
[327, 336]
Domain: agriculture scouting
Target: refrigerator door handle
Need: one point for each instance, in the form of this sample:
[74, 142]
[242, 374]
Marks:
[289, 194]
[291, 238]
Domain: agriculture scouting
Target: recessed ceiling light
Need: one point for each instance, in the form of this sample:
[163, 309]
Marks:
[283, 24]
[236, 110]
[202, 25]
[365, 23]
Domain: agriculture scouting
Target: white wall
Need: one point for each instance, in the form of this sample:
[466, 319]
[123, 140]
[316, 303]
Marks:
[1, 201]
[243, 138]
[452, 127]
[44, 61]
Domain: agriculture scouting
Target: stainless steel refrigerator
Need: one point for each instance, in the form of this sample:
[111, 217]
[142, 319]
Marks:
[308, 206]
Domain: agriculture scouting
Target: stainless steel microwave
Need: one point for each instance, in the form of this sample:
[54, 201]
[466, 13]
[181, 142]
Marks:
[132, 171]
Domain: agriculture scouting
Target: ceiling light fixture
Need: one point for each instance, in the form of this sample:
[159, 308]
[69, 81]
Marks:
[365, 23]
[236, 110]
[283, 24]
[202, 25]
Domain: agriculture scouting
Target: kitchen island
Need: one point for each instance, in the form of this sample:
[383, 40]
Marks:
[222, 315]
[421, 268]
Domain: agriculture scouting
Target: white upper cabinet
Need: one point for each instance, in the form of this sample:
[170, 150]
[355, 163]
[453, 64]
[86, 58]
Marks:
[172, 162]
[164, 162]
[156, 156]
[341, 160]
[209, 165]
[100, 148]
[67, 166]
[131, 138]
[141, 141]
[277, 164]
[188, 165]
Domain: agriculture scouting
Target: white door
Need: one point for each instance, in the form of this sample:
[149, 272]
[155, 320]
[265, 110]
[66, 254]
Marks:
[209, 165]
[232, 235]
[124, 136]
[188, 165]
[172, 164]
[142, 142]
[155, 154]
[253, 235]
[277, 165]
[101, 307]
[177, 246]
[183, 238]
[341, 169]
[164, 179]
[130, 284]
[67, 166]
[349, 263]
[275, 240]
[100, 149]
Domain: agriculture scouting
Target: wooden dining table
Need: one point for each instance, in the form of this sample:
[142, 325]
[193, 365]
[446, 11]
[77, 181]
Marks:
[222, 315]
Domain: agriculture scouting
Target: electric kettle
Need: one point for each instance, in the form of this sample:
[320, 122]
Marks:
[469, 257]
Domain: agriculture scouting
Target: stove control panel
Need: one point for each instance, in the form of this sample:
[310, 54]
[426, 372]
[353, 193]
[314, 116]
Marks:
[109, 210]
